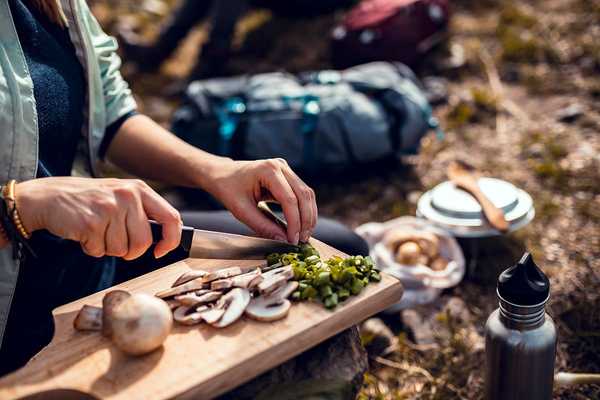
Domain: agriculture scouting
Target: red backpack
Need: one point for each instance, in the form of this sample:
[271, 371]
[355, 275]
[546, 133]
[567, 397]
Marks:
[389, 30]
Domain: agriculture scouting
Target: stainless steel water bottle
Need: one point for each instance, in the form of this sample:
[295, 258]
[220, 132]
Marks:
[520, 338]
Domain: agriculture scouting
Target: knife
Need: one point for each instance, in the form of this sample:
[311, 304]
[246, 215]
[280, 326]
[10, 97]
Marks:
[226, 246]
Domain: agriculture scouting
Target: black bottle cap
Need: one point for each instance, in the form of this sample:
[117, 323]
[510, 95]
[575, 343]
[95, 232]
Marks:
[524, 284]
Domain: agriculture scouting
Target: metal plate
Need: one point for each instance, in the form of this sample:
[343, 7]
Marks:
[520, 215]
[451, 201]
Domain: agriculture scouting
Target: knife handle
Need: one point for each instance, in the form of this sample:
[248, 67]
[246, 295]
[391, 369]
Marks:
[187, 234]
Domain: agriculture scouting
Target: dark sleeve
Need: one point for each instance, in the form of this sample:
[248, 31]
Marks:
[111, 132]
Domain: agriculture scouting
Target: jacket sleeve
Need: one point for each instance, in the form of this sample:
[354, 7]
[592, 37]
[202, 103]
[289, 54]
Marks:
[118, 99]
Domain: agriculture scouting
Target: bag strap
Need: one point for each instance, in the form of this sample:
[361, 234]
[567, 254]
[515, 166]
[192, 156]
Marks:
[311, 110]
[229, 116]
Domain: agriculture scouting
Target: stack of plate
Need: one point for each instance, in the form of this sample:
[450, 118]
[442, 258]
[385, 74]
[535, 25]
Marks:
[458, 212]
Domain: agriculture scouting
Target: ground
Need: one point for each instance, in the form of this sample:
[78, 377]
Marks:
[511, 68]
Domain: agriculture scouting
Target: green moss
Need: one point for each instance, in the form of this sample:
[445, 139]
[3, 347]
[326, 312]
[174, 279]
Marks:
[461, 114]
[484, 99]
[511, 15]
[547, 207]
[520, 46]
[551, 172]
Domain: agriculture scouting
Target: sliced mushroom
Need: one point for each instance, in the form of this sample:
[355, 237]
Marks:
[272, 284]
[234, 303]
[187, 316]
[283, 292]
[172, 303]
[222, 274]
[273, 306]
[247, 280]
[190, 286]
[286, 271]
[137, 323]
[221, 284]
[89, 318]
[189, 276]
[261, 312]
[192, 299]
[211, 315]
[272, 267]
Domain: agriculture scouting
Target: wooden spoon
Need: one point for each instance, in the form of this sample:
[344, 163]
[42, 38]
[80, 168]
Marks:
[462, 175]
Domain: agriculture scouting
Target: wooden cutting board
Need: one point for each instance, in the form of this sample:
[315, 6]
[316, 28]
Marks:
[198, 362]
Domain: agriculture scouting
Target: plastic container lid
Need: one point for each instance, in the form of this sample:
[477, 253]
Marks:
[457, 211]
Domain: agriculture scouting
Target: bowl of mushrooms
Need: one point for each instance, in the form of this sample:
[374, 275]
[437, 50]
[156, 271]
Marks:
[424, 257]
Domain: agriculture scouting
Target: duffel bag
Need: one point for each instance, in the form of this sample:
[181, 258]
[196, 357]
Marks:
[317, 121]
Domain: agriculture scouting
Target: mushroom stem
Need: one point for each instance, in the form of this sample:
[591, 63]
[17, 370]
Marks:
[89, 318]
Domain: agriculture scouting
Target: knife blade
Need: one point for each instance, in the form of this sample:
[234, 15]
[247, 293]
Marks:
[226, 246]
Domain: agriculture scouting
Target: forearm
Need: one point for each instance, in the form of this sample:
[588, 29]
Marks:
[145, 149]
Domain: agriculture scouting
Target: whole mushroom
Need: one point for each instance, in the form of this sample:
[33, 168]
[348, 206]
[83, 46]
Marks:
[136, 323]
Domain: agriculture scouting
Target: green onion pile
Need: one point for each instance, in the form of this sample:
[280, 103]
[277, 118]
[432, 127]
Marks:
[331, 281]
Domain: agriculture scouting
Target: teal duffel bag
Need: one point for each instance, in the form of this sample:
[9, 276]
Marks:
[317, 121]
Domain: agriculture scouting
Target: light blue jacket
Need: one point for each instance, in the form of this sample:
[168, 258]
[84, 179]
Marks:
[108, 98]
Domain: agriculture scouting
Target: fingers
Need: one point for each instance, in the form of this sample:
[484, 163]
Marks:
[160, 210]
[116, 236]
[281, 190]
[93, 243]
[306, 203]
[138, 231]
[247, 212]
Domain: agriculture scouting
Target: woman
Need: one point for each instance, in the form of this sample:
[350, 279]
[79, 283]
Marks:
[63, 103]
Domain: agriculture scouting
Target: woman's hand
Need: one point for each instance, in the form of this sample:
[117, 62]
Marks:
[240, 185]
[109, 217]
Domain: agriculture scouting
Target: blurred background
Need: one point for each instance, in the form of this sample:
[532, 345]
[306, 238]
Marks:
[516, 87]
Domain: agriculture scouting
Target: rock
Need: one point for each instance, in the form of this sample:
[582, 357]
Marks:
[376, 336]
[570, 114]
[427, 325]
[419, 329]
[331, 370]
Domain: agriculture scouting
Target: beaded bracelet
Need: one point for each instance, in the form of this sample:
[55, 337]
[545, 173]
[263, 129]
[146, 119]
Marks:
[11, 202]
[9, 227]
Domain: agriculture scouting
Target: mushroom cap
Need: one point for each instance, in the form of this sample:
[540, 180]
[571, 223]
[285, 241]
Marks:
[408, 253]
[110, 301]
[139, 323]
[261, 312]
[234, 303]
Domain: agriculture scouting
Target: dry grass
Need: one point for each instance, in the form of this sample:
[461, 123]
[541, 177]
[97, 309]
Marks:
[547, 56]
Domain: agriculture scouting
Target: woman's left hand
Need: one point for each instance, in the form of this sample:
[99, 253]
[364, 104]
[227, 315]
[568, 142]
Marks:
[240, 185]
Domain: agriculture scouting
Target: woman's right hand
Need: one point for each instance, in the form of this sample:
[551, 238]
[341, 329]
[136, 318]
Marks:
[108, 217]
